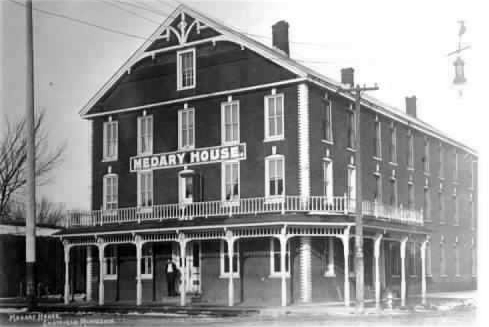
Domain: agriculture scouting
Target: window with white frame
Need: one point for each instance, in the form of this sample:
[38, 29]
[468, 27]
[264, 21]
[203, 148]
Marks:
[186, 186]
[275, 263]
[186, 128]
[427, 204]
[377, 139]
[413, 259]
[147, 262]
[352, 182]
[443, 263]
[111, 188]
[274, 176]
[393, 192]
[455, 199]
[426, 158]
[457, 258]
[225, 259]
[328, 178]
[411, 199]
[474, 258]
[455, 170]
[472, 211]
[186, 69]
[410, 156]
[111, 263]
[428, 259]
[230, 122]
[327, 121]
[274, 117]
[393, 144]
[472, 174]
[442, 161]
[441, 203]
[145, 135]
[145, 189]
[110, 139]
[351, 128]
[378, 188]
[394, 250]
[230, 181]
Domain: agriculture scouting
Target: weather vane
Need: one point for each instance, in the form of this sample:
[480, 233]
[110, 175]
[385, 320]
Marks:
[459, 79]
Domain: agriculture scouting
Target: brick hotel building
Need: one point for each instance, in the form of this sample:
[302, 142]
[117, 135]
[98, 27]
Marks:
[238, 163]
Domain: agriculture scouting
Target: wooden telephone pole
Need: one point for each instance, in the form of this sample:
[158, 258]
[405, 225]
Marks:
[30, 220]
[359, 264]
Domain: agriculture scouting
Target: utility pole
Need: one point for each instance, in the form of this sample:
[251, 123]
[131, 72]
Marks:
[30, 221]
[359, 265]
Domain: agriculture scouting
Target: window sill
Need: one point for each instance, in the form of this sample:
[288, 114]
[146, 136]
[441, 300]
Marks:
[413, 276]
[427, 174]
[278, 275]
[327, 142]
[184, 88]
[444, 276]
[350, 149]
[377, 158]
[396, 276]
[429, 275]
[274, 139]
[410, 168]
[110, 277]
[109, 159]
[329, 274]
[441, 178]
[223, 276]
[146, 276]
[393, 163]
[186, 148]
[455, 182]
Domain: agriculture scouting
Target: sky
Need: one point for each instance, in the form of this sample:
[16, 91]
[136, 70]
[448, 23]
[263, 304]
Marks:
[401, 45]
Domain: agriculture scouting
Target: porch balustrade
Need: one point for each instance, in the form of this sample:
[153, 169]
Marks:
[339, 205]
[392, 213]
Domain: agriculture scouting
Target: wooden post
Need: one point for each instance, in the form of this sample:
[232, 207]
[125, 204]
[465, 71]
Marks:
[67, 248]
[230, 242]
[423, 271]
[346, 252]
[139, 286]
[283, 265]
[403, 271]
[377, 244]
[89, 274]
[101, 254]
[182, 243]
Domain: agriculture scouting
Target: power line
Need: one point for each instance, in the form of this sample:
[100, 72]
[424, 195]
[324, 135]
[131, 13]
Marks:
[112, 30]
[80, 21]
[130, 11]
[145, 8]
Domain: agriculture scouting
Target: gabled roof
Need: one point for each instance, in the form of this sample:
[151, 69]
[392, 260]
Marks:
[273, 55]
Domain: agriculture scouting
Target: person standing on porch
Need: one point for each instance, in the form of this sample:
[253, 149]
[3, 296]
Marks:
[171, 275]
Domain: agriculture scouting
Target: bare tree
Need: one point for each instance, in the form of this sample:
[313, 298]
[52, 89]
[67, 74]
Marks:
[47, 212]
[13, 155]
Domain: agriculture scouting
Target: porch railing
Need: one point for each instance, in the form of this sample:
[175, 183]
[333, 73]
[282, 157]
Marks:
[246, 206]
[392, 213]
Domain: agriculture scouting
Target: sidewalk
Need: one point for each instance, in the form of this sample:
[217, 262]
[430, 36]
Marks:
[435, 302]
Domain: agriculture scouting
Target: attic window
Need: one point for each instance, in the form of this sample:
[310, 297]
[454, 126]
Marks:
[186, 69]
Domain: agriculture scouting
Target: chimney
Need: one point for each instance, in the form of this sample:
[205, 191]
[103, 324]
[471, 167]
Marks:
[411, 106]
[347, 76]
[280, 36]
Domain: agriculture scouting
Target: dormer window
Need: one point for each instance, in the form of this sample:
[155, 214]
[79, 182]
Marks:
[186, 69]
